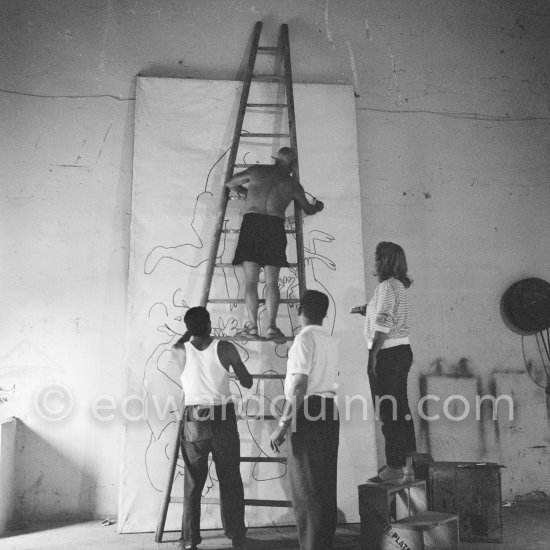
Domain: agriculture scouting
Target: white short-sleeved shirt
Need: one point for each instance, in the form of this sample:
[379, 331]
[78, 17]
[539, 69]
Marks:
[314, 353]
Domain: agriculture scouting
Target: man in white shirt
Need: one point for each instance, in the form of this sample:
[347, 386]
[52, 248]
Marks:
[311, 413]
[210, 426]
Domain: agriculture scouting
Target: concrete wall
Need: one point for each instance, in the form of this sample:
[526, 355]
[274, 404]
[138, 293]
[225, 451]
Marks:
[7, 473]
[453, 126]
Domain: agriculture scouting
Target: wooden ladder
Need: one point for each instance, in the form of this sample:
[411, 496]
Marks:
[282, 50]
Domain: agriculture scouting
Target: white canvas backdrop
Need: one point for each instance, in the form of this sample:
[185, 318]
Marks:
[183, 130]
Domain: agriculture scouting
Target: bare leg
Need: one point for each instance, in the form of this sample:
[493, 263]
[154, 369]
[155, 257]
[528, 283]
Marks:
[272, 294]
[251, 277]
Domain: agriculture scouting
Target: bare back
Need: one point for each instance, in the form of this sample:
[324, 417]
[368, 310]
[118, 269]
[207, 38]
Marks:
[270, 190]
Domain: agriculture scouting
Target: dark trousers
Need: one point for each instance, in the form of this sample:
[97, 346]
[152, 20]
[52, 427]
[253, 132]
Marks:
[392, 369]
[312, 464]
[225, 448]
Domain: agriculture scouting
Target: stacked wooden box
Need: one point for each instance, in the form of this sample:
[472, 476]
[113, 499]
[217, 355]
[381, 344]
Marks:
[395, 515]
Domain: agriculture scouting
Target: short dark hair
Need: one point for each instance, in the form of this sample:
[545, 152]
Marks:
[197, 321]
[314, 305]
[393, 263]
[285, 156]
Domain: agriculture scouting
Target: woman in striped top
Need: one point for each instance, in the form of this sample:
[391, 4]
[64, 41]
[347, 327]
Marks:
[386, 331]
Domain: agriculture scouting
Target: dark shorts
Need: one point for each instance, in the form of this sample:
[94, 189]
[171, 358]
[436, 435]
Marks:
[262, 240]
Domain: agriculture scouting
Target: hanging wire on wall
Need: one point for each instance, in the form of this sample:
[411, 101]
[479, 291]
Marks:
[544, 337]
[525, 309]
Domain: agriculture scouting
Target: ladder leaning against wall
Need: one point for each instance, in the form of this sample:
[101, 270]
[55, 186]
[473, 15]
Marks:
[282, 65]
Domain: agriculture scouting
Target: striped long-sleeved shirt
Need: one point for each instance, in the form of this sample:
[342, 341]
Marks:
[389, 312]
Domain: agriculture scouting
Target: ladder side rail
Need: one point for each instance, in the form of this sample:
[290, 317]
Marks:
[222, 205]
[298, 216]
[167, 495]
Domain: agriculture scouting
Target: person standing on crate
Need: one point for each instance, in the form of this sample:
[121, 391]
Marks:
[386, 330]
[210, 426]
[310, 412]
[262, 240]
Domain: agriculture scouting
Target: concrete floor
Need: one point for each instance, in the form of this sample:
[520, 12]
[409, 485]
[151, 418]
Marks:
[526, 526]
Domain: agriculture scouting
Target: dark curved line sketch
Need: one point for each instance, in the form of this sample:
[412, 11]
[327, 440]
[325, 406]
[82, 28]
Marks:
[157, 253]
[316, 261]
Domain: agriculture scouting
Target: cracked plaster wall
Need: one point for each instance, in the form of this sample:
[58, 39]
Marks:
[453, 125]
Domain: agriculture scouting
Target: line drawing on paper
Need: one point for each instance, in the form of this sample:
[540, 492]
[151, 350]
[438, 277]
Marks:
[168, 319]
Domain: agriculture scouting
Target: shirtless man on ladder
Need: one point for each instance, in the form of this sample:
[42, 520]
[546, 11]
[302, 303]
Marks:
[262, 240]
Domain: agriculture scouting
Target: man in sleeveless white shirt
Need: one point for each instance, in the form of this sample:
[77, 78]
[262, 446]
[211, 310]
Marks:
[210, 426]
[310, 412]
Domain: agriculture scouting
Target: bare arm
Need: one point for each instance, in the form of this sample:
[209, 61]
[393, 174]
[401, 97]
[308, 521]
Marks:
[236, 182]
[298, 391]
[377, 343]
[305, 205]
[229, 356]
[178, 350]
[179, 355]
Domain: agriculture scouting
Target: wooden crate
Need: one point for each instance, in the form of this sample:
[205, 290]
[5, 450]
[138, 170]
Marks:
[432, 530]
[471, 490]
[394, 515]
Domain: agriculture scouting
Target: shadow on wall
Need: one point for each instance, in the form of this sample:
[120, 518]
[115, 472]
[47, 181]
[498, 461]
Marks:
[47, 484]
[452, 425]
[503, 421]
[522, 439]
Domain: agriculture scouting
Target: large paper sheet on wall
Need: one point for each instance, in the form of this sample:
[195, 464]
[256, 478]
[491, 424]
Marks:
[183, 129]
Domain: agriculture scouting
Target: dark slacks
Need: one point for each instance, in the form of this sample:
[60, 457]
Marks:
[312, 466]
[392, 370]
[224, 445]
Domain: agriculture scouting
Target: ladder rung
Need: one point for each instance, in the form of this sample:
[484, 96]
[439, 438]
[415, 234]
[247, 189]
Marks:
[241, 338]
[224, 264]
[263, 376]
[279, 459]
[269, 77]
[258, 417]
[268, 105]
[247, 502]
[270, 49]
[245, 165]
[250, 134]
[242, 301]
[269, 376]
[230, 231]
[272, 503]
[236, 338]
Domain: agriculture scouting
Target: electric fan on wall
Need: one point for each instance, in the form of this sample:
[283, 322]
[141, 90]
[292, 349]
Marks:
[525, 308]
